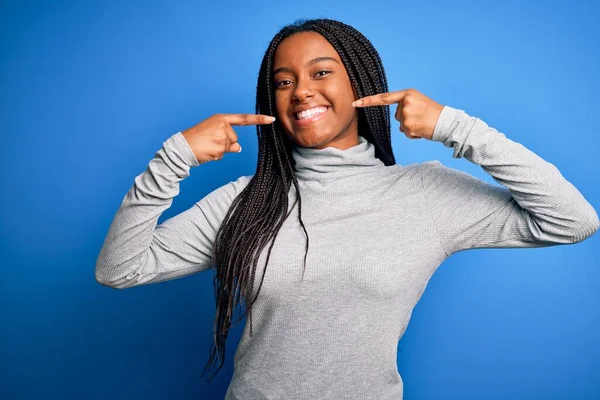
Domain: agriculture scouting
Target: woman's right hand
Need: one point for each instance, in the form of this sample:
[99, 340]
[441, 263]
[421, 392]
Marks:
[213, 137]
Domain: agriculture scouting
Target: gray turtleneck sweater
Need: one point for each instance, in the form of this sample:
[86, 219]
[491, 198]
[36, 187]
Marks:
[377, 234]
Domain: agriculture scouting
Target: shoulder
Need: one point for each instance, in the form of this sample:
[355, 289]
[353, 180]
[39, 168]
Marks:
[435, 171]
[223, 196]
[439, 181]
[434, 176]
[405, 179]
[416, 170]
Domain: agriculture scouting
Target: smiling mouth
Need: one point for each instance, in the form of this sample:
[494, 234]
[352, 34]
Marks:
[310, 113]
[310, 116]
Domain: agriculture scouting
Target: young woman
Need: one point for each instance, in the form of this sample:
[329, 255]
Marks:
[350, 238]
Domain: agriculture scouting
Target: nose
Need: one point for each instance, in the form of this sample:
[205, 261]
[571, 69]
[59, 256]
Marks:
[303, 90]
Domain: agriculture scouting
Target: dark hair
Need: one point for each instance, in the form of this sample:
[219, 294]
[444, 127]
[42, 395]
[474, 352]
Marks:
[257, 213]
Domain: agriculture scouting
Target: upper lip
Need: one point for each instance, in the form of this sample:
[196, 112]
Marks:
[304, 107]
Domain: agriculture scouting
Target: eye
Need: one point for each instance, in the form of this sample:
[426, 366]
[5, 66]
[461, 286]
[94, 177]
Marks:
[323, 73]
[282, 83]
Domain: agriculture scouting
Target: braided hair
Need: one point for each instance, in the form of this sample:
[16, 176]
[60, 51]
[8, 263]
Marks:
[257, 213]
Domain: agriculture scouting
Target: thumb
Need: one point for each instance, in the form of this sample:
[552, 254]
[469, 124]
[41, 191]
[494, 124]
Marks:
[235, 148]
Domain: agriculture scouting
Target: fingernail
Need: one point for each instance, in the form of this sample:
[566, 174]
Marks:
[270, 119]
[240, 150]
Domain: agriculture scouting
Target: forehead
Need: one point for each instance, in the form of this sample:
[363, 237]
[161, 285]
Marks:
[299, 48]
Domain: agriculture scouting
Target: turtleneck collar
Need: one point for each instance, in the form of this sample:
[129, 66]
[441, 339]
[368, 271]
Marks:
[332, 162]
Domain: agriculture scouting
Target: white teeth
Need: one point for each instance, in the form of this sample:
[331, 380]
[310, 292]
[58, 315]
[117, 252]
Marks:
[310, 112]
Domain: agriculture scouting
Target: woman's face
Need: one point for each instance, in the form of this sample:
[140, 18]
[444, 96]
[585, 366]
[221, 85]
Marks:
[313, 93]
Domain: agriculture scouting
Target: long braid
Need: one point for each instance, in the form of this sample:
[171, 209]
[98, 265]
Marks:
[258, 212]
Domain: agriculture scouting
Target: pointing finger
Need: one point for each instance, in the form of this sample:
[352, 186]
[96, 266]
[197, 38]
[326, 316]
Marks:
[380, 99]
[247, 119]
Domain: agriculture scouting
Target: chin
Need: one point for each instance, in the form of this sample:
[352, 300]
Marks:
[310, 139]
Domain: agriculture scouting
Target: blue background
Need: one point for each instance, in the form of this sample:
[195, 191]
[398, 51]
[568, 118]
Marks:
[89, 92]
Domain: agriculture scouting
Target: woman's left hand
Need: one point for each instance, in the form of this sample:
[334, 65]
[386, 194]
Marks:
[416, 112]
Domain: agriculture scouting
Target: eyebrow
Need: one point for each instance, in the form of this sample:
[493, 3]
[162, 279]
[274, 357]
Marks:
[311, 62]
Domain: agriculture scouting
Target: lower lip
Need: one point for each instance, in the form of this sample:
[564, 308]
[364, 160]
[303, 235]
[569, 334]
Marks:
[310, 120]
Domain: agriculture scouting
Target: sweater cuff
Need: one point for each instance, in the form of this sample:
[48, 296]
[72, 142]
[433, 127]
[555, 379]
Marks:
[444, 126]
[184, 149]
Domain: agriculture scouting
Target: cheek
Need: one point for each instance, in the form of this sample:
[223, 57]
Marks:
[343, 105]
[342, 95]
[281, 106]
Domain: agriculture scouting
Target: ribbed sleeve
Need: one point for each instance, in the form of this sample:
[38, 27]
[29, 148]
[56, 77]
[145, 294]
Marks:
[535, 206]
[136, 251]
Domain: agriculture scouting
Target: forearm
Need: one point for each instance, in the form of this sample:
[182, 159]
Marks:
[126, 250]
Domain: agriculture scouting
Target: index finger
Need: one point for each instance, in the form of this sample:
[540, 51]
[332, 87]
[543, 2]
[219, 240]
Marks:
[380, 99]
[248, 119]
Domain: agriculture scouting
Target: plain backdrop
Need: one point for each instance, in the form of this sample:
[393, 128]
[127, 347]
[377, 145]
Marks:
[89, 91]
